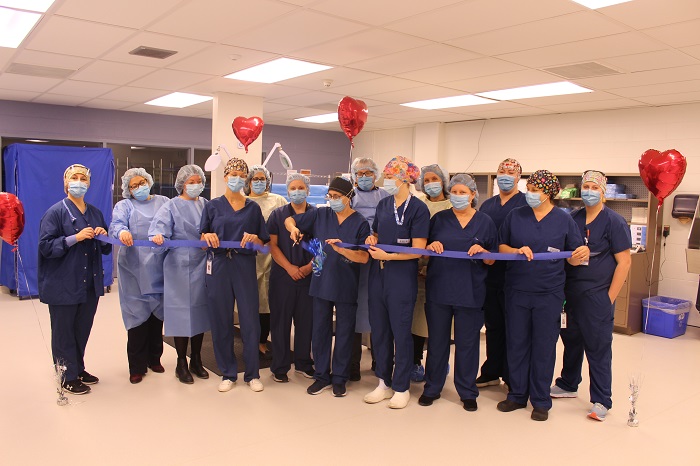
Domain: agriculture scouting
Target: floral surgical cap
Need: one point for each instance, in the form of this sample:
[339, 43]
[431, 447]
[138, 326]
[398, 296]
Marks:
[546, 181]
[510, 164]
[596, 177]
[236, 164]
[403, 169]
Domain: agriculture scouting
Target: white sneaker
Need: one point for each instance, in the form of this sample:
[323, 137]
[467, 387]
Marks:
[400, 400]
[378, 394]
[226, 385]
[256, 385]
[556, 392]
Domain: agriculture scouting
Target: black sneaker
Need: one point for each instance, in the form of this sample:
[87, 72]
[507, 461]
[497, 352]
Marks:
[308, 374]
[87, 378]
[507, 406]
[482, 381]
[426, 400]
[339, 389]
[469, 405]
[317, 387]
[539, 414]
[281, 378]
[76, 387]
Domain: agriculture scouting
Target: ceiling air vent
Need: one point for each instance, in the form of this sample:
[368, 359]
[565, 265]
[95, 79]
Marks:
[581, 70]
[152, 52]
[36, 70]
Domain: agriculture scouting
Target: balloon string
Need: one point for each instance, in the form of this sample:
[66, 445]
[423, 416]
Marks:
[29, 293]
[352, 146]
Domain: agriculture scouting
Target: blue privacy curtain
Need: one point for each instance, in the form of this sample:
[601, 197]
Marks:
[34, 174]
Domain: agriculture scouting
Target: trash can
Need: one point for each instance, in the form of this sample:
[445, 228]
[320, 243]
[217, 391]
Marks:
[667, 317]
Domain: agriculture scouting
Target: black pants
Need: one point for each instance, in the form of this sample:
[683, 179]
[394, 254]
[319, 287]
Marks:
[287, 304]
[418, 346]
[264, 327]
[496, 364]
[144, 345]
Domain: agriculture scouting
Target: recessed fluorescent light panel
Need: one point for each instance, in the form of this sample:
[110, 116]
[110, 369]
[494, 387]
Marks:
[277, 70]
[31, 5]
[178, 100]
[15, 26]
[449, 102]
[540, 90]
[325, 118]
[595, 4]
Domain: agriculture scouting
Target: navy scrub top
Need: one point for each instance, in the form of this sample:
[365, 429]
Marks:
[556, 230]
[607, 235]
[459, 282]
[296, 255]
[492, 207]
[230, 225]
[68, 268]
[339, 277]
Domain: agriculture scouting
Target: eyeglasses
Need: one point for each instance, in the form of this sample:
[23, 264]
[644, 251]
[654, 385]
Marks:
[365, 173]
[135, 186]
[259, 179]
[329, 197]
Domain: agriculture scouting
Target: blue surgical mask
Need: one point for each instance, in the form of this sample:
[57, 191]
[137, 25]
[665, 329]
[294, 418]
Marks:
[298, 196]
[235, 183]
[390, 187]
[337, 205]
[77, 188]
[533, 199]
[433, 189]
[258, 187]
[141, 193]
[194, 190]
[505, 182]
[365, 183]
[460, 201]
[590, 197]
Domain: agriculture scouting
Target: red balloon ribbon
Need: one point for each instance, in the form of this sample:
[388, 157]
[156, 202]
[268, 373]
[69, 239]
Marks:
[352, 116]
[247, 130]
[11, 218]
[662, 172]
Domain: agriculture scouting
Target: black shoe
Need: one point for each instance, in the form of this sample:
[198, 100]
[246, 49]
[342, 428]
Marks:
[87, 378]
[469, 405]
[157, 367]
[487, 381]
[374, 365]
[539, 414]
[281, 378]
[355, 376]
[426, 400]
[317, 387]
[182, 373]
[308, 374]
[135, 378]
[196, 366]
[76, 387]
[507, 406]
[339, 389]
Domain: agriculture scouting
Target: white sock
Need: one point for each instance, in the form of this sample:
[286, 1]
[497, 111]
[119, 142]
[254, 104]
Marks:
[382, 385]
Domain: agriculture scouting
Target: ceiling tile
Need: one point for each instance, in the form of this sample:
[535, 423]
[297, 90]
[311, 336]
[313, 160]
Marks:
[497, 106]
[6, 55]
[651, 61]
[659, 89]
[311, 99]
[462, 70]
[678, 34]
[270, 107]
[128, 13]
[55, 99]
[339, 76]
[183, 47]
[20, 82]
[503, 81]
[111, 73]
[295, 112]
[133, 94]
[58, 35]
[171, 80]
[54, 60]
[18, 95]
[419, 115]
[106, 104]
[220, 60]
[417, 93]
[671, 99]
[511, 113]
[379, 12]
[375, 86]
[214, 85]
[82, 89]
[642, 78]
[273, 91]
[590, 106]
[187, 112]
[693, 51]
[142, 108]
[415, 59]
[569, 99]
[642, 14]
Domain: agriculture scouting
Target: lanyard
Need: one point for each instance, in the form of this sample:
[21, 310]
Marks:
[403, 214]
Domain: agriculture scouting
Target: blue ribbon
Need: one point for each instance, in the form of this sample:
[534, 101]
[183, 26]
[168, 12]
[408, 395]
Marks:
[181, 243]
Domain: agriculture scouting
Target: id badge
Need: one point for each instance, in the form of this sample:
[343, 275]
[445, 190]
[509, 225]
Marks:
[551, 249]
[209, 265]
[563, 319]
[403, 241]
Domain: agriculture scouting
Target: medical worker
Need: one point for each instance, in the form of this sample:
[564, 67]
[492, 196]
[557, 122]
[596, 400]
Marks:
[590, 297]
[230, 275]
[335, 286]
[70, 275]
[290, 280]
[401, 220]
[433, 183]
[140, 273]
[185, 300]
[257, 186]
[364, 173]
[455, 291]
[497, 207]
[534, 291]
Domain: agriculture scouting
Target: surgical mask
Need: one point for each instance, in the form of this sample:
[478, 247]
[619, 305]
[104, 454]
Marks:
[460, 201]
[141, 193]
[390, 187]
[258, 187]
[77, 188]
[194, 190]
[298, 196]
[505, 182]
[590, 197]
[365, 183]
[433, 189]
[337, 205]
[235, 183]
[533, 199]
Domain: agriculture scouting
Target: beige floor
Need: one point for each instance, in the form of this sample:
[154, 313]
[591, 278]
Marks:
[161, 421]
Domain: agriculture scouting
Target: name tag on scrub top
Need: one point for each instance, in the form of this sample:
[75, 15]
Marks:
[209, 264]
[403, 241]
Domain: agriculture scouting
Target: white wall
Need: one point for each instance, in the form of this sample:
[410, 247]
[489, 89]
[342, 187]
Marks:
[611, 141]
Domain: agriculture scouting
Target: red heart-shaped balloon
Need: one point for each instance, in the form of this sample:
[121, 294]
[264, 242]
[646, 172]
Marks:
[247, 130]
[352, 115]
[11, 218]
[662, 172]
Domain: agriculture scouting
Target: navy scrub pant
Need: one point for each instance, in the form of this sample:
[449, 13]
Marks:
[590, 320]
[532, 325]
[144, 345]
[322, 340]
[496, 364]
[467, 328]
[233, 280]
[70, 331]
[392, 297]
[290, 302]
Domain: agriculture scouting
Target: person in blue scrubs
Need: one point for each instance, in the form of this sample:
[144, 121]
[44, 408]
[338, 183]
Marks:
[364, 173]
[535, 291]
[185, 300]
[590, 297]
[230, 275]
[290, 279]
[455, 291]
[140, 273]
[335, 286]
[401, 220]
[495, 366]
[70, 275]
